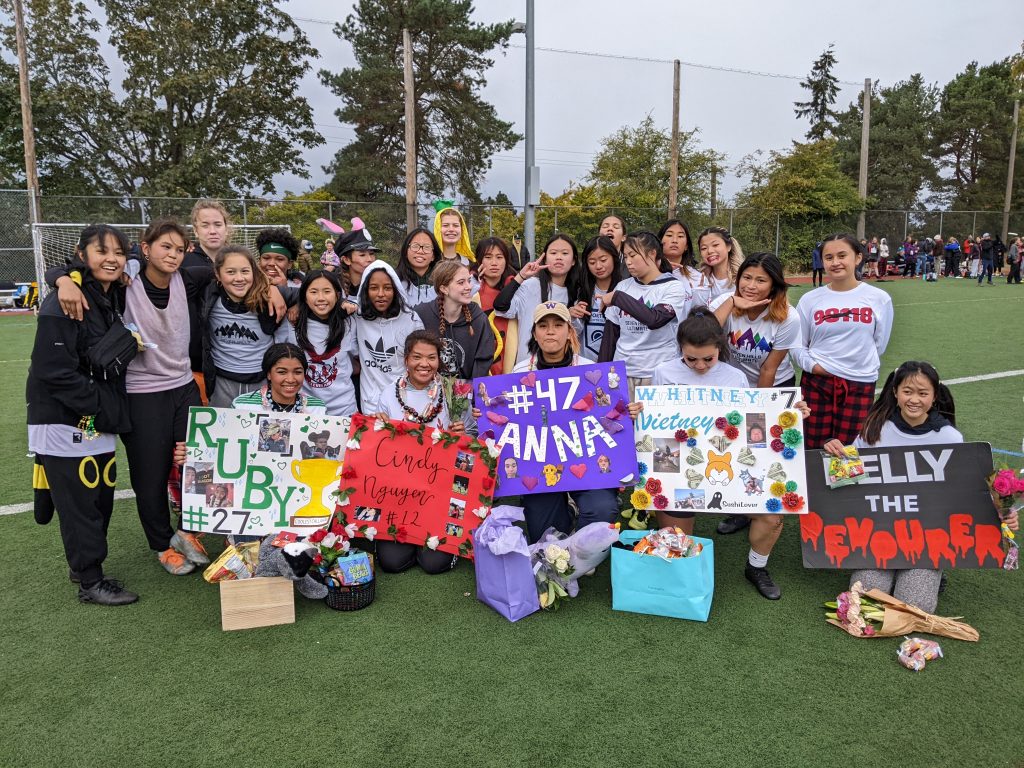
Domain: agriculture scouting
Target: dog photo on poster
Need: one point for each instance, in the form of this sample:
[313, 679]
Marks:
[415, 484]
[721, 449]
[926, 507]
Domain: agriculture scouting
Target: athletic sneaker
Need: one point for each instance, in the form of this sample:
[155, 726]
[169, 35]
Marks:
[190, 546]
[175, 563]
[762, 581]
[106, 592]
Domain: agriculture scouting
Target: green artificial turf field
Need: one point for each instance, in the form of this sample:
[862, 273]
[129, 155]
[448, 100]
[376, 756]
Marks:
[429, 676]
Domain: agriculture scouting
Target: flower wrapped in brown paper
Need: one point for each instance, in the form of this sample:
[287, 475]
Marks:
[899, 618]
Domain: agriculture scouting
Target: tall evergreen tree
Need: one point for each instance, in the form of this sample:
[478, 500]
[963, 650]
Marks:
[208, 103]
[456, 130]
[823, 87]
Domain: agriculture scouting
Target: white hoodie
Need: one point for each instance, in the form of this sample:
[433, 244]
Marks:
[381, 341]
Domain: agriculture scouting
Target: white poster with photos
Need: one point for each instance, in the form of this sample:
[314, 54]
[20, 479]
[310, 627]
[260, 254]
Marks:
[721, 450]
[250, 474]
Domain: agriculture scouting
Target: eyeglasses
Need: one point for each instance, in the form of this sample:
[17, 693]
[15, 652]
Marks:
[421, 248]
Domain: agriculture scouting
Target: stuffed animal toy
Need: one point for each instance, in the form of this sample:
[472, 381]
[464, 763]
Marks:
[293, 562]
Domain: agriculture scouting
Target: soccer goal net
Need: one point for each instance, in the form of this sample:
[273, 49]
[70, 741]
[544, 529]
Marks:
[54, 244]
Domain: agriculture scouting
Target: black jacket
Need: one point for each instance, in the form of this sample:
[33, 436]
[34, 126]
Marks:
[61, 387]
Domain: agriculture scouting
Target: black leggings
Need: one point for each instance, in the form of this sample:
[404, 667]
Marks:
[818, 277]
[159, 420]
[394, 557]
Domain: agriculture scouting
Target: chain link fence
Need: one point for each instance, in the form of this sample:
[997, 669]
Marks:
[792, 237]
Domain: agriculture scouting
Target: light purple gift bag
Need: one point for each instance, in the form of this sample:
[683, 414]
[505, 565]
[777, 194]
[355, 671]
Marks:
[504, 574]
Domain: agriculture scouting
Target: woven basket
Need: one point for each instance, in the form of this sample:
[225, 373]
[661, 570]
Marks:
[351, 598]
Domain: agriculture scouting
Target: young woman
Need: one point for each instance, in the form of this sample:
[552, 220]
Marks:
[416, 261]
[914, 409]
[323, 332]
[382, 324]
[283, 368]
[417, 396]
[493, 270]
[356, 251]
[761, 329]
[554, 344]
[721, 256]
[909, 257]
[329, 261]
[76, 406]
[211, 225]
[883, 258]
[277, 249]
[451, 233]
[845, 329]
[951, 267]
[677, 246]
[613, 227]
[602, 264]
[872, 259]
[643, 311]
[238, 325]
[552, 277]
[704, 352]
[467, 341]
[160, 385]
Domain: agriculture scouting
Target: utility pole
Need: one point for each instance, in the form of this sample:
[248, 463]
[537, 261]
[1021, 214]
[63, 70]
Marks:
[714, 190]
[27, 132]
[862, 182]
[411, 219]
[673, 170]
[532, 186]
[1009, 172]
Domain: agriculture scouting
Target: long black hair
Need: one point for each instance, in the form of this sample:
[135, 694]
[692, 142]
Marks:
[647, 243]
[687, 262]
[97, 233]
[404, 269]
[573, 282]
[887, 405]
[778, 309]
[701, 329]
[588, 283]
[482, 248]
[335, 320]
[366, 309]
[282, 351]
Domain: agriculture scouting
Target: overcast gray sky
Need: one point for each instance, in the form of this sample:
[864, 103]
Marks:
[582, 99]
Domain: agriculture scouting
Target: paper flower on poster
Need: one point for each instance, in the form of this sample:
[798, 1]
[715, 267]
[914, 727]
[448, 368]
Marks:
[734, 418]
[778, 445]
[787, 419]
[640, 499]
[776, 430]
[773, 505]
[660, 501]
[792, 437]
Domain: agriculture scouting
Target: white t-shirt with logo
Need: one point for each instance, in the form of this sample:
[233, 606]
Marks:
[676, 372]
[845, 332]
[639, 347]
[751, 341]
[329, 375]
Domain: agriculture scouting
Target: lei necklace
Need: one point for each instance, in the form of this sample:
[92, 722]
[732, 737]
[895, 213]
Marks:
[435, 393]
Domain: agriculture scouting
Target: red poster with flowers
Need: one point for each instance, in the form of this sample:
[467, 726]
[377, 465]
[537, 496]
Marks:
[415, 484]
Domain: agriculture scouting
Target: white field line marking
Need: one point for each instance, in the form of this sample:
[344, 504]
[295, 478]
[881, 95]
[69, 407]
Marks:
[983, 377]
[14, 509]
[960, 301]
[26, 360]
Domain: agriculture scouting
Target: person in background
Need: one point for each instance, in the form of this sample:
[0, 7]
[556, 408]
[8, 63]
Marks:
[417, 258]
[357, 251]
[211, 226]
[451, 233]
[872, 259]
[909, 257]
[1013, 258]
[972, 253]
[613, 227]
[883, 259]
[987, 255]
[999, 255]
[951, 266]
[277, 249]
[304, 261]
[493, 270]
[817, 268]
[329, 260]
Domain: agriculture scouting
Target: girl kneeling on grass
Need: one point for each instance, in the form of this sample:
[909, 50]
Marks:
[417, 396]
[704, 350]
[845, 327]
[914, 409]
[77, 403]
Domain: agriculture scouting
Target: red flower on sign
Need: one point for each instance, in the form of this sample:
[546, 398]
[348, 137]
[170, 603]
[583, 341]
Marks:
[776, 430]
[681, 435]
[653, 486]
[778, 445]
[358, 420]
[462, 389]
[792, 501]
[721, 423]
[317, 536]
[660, 502]
[731, 432]
[348, 473]
[317, 559]
[487, 483]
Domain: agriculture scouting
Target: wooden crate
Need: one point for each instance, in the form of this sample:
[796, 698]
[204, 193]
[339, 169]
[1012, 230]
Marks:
[256, 602]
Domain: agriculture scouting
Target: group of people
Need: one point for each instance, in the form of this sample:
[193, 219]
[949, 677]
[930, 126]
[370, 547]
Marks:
[215, 323]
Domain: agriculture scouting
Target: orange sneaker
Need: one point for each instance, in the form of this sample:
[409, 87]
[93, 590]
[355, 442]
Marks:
[190, 546]
[175, 563]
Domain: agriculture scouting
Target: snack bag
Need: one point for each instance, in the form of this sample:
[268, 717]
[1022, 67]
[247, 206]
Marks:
[846, 471]
[229, 566]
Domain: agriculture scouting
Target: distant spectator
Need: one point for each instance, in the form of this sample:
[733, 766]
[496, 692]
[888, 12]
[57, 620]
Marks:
[988, 254]
[817, 267]
[304, 261]
[951, 267]
[1013, 258]
[329, 260]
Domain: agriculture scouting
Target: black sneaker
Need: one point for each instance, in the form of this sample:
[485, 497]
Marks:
[733, 523]
[106, 592]
[943, 583]
[762, 580]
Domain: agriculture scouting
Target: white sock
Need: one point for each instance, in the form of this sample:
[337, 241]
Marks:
[756, 560]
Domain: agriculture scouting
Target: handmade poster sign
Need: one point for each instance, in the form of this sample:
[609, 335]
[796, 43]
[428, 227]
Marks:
[258, 473]
[720, 449]
[564, 429]
[917, 507]
[415, 484]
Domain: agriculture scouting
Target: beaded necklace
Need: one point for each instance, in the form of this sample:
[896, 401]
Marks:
[435, 394]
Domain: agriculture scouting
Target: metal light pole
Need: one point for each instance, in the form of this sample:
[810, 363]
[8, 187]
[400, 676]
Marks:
[532, 181]
[27, 132]
[862, 181]
[1009, 171]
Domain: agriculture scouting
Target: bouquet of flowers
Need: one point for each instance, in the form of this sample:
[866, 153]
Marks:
[1007, 491]
[457, 397]
[334, 542]
[552, 570]
[876, 614]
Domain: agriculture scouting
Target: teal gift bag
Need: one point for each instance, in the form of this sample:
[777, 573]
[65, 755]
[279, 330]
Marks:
[680, 588]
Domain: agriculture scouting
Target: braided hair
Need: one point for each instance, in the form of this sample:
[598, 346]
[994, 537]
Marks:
[444, 273]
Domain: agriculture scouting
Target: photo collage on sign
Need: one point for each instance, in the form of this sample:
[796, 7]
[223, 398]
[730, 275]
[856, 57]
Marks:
[464, 462]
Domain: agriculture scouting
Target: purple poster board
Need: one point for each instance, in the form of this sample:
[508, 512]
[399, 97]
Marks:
[566, 429]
